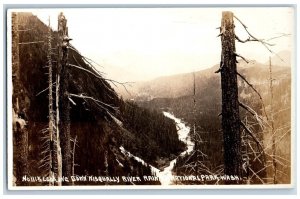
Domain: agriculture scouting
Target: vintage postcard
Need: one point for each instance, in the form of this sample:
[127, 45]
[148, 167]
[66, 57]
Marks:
[150, 97]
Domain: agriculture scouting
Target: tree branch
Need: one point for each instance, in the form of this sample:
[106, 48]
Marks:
[280, 138]
[33, 42]
[96, 75]
[244, 41]
[45, 89]
[262, 41]
[88, 61]
[81, 68]
[91, 98]
[24, 30]
[282, 35]
[252, 112]
[252, 36]
[241, 76]
[259, 145]
[221, 67]
[256, 173]
[237, 55]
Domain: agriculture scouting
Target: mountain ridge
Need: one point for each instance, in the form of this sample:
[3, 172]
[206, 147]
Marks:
[182, 84]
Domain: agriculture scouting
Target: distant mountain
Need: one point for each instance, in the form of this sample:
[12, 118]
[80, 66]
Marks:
[182, 84]
[166, 86]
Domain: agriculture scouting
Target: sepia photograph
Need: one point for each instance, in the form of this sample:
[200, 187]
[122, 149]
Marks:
[150, 97]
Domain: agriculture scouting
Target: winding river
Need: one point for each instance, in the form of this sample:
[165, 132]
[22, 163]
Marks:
[166, 175]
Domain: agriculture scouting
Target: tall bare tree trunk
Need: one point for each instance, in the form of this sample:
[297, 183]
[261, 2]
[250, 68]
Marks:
[196, 141]
[230, 104]
[50, 106]
[64, 125]
[20, 133]
[58, 147]
[73, 156]
[274, 164]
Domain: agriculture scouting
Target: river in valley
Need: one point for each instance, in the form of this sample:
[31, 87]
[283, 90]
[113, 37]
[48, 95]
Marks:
[166, 175]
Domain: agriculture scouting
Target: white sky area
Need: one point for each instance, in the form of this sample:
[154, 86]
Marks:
[134, 44]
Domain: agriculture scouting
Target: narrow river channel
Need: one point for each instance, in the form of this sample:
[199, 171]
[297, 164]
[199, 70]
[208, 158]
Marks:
[166, 175]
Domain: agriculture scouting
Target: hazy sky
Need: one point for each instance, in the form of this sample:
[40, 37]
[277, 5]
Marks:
[142, 43]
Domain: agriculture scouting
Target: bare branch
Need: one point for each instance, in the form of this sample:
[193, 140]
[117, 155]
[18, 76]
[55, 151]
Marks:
[241, 76]
[259, 145]
[220, 69]
[285, 109]
[253, 37]
[238, 55]
[282, 173]
[254, 173]
[257, 172]
[101, 78]
[81, 68]
[33, 42]
[222, 31]
[45, 89]
[258, 118]
[95, 75]
[72, 101]
[281, 137]
[244, 41]
[87, 60]
[24, 30]
[91, 98]
[122, 83]
[282, 35]
[262, 41]
[284, 159]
